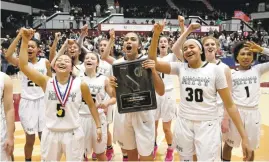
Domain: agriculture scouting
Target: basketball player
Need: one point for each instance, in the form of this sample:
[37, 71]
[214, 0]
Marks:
[166, 109]
[99, 87]
[246, 94]
[211, 46]
[63, 133]
[72, 48]
[31, 107]
[7, 118]
[197, 127]
[105, 69]
[135, 131]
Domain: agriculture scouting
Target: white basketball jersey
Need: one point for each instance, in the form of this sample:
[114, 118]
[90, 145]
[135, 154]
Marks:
[168, 79]
[97, 89]
[78, 70]
[71, 117]
[104, 68]
[30, 90]
[219, 100]
[246, 85]
[198, 90]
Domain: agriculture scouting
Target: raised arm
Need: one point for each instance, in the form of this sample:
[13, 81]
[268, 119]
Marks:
[11, 49]
[9, 113]
[83, 34]
[177, 47]
[157, 30]
[105, 56]
[161, 66]
[31, 73]
[253, 47]
[54, 46]
[61, 51]
[87, 97]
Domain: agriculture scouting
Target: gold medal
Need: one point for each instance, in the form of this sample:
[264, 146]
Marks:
[60, 112]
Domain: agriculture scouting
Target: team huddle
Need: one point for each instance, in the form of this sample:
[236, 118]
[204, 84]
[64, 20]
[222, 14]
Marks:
[70, 104]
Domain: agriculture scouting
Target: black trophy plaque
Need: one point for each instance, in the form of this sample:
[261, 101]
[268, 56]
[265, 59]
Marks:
[135, 91]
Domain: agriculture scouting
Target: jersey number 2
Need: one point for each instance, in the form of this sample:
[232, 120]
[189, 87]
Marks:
[247, 91]
[197, 94]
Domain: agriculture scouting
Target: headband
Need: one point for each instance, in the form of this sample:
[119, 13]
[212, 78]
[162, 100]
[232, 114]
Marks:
[196, 41]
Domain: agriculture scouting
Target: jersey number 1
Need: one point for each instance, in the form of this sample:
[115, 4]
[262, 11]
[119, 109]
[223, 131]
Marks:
[197, 94]
[247, 91]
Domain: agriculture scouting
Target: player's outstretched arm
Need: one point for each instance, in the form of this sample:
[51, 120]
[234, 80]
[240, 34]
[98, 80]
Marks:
[105, 56]
[9, 113]
[157, 30]
[177, 47]
[225, 95]
[54, 46]
[9, 54]
[31, 73]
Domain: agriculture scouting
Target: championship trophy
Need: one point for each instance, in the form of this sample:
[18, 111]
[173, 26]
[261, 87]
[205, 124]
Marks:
[135, 91]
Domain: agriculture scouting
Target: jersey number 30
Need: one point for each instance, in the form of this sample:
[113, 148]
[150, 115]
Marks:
[196, 95]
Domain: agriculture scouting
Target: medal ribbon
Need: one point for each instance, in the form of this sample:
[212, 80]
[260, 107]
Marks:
[63, 98]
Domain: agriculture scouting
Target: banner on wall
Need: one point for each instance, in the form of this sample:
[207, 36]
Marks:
[146, 27]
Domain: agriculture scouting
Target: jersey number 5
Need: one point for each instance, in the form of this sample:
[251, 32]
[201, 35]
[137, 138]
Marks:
[31, 84]
[197, 94]
[93, 98]
[60, 111]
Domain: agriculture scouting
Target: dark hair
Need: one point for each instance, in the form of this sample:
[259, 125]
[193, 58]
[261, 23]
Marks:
[5, 44]
[203, 58]
[139, 42]
[72, 63]
[237, 47]
[38, 43]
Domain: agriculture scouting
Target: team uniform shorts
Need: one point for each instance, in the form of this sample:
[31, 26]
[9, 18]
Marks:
[202, 138]
[89, 129]
[135, 130]
[32, 115]
[252, 123]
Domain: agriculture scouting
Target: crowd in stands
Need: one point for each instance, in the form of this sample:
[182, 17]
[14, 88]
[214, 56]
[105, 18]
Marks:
[226, 39]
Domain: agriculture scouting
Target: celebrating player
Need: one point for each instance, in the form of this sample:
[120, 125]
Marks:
[197, 128]
[246, 94]
[31, 107]
[63, 133]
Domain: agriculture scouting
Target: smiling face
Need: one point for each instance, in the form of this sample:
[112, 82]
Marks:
[91, 61]
[131, 45]
[245, 57]
[73, 50]
[163, 44]
[191, 52]
[211, 47]
[32, 49]
[63, 64]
